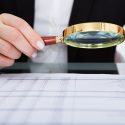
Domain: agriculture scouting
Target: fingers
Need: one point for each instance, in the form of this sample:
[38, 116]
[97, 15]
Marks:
[15, 38]
[5, 62]
[33, 38]
[8, 50]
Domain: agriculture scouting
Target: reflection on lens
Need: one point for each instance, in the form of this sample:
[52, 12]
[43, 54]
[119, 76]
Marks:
[94, 39]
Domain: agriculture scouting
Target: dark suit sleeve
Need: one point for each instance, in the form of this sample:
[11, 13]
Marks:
[111, 11]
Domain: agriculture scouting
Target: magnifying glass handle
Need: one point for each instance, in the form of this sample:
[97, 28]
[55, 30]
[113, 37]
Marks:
[49, 40]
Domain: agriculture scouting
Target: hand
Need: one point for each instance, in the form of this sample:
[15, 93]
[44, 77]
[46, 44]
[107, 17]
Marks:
[17, 37]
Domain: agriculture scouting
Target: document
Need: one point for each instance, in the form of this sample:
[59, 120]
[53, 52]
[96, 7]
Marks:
[62, 99]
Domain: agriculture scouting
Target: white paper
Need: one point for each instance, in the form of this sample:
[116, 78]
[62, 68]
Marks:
[62, 99]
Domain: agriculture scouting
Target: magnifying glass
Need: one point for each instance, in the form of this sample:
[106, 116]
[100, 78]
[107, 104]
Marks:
[89, 35]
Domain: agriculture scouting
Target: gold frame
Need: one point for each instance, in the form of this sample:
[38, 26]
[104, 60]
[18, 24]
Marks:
[94, 26]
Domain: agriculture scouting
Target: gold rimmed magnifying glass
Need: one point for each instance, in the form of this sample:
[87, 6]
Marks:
[89, 35]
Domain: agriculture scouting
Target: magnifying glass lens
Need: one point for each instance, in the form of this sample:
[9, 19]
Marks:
[94, 39]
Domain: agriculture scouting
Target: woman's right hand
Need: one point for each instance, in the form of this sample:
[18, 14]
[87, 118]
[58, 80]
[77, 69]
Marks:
[17, 37]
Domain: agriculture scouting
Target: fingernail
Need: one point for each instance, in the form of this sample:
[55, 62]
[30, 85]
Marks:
[40, 44]
[34, 55]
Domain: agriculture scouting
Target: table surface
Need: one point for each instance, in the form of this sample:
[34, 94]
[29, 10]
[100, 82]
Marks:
[82, 68]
